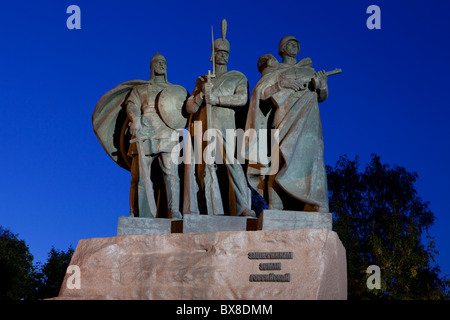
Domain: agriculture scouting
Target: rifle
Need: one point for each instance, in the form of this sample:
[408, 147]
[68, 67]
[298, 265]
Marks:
[328, 73]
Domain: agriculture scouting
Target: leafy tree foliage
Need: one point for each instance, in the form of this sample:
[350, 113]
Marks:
[51, 275]
[16, 267]
[382, 221]
[20, 279]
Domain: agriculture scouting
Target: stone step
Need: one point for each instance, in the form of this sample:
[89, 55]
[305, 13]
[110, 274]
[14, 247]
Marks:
[268, 220]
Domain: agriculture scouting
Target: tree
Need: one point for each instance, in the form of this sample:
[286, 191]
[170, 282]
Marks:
[20, 279]
[382, 221]
[51, 275]
[16, 267]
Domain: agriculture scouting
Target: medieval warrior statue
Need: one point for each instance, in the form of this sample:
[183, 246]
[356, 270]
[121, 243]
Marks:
[213, 103]
[134, 123]
[286, 99]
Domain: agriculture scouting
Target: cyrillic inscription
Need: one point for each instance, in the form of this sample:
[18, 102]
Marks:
[270, 266]
[271, 277]
[270, 255]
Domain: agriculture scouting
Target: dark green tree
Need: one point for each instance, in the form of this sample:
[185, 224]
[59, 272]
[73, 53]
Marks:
[382, 221]
[50, 275]
[16, 267]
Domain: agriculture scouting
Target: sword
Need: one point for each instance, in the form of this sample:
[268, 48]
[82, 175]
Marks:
[145, 167]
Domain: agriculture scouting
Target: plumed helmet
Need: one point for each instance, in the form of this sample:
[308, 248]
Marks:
[285, 40]
[222, 44]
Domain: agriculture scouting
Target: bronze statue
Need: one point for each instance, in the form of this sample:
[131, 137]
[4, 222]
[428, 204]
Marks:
[286, 99]
[213, 103]
[145, 113]
[135, 123]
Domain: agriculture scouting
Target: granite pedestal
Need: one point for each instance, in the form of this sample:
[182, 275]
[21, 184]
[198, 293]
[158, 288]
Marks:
[239, 265]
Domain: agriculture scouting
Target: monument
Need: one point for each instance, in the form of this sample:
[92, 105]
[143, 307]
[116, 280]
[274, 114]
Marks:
[245, 214]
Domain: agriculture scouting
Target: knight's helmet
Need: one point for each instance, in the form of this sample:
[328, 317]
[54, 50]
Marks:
[156, 57]
[221, 43]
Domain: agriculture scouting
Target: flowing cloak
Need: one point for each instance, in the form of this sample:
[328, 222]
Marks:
[110, 122]
[296, 115]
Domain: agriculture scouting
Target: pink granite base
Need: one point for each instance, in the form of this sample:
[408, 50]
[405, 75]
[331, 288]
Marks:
[214, 265]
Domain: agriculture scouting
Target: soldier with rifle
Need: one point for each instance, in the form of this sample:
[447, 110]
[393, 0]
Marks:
[286, 99]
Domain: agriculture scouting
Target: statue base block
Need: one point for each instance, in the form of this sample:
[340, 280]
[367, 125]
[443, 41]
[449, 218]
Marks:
[287, 220]
[268, 220]
[207, 223]
[256, 265]
[134, 226]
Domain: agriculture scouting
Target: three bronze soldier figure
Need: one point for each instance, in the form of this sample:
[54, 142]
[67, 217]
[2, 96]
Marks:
[137, 121]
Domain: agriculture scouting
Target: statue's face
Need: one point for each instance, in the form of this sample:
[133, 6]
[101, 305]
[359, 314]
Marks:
[291, 48]
[160, 67]
[221, 57]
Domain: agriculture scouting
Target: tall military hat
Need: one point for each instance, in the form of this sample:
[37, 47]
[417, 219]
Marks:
[221, 43]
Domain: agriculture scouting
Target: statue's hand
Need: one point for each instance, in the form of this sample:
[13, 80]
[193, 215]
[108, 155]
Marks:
[320, 79]
[292, 84]
[135, 127]
[211, 99]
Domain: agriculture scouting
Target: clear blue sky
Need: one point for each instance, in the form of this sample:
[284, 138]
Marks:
[58, 185]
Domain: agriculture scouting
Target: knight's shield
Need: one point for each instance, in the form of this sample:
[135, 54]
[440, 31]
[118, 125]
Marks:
[171, 106]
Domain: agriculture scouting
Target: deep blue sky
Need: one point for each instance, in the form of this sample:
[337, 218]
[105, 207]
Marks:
[58, 185]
